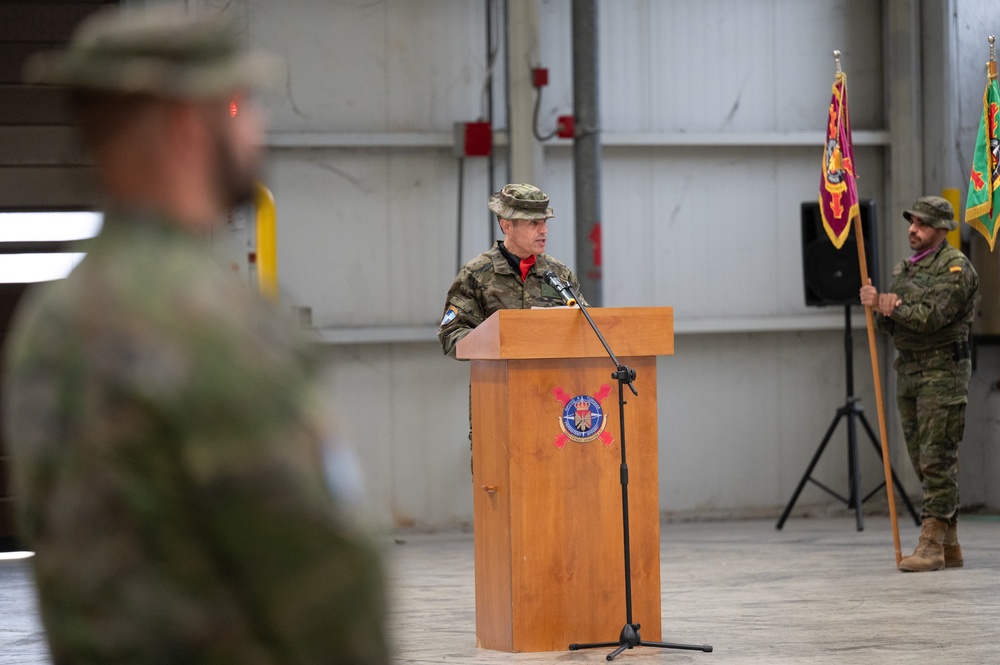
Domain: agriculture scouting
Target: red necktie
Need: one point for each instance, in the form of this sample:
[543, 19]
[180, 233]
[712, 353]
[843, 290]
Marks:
[526, 266]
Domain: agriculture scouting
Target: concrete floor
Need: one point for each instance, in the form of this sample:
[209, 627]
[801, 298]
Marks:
[818, 591]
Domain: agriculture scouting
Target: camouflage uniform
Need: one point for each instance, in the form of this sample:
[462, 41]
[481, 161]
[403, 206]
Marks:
[489, 282]
[169, 454]
[930, 330]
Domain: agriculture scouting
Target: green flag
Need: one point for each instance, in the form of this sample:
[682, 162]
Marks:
[982, 207]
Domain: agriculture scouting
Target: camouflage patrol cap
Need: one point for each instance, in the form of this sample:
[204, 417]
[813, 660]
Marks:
[162, 51]
[933, 211]
[521, 202]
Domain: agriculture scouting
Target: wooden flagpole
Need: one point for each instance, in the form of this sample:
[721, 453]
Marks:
[879, 404]
[873, 350]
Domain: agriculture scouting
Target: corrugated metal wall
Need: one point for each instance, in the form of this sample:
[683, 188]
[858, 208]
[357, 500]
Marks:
[713, 114]
[713, 117]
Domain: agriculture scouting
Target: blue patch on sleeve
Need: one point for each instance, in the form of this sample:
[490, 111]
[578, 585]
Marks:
[449, 316]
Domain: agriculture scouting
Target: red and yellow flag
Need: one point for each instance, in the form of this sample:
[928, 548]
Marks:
[982, 206]
[838, 193]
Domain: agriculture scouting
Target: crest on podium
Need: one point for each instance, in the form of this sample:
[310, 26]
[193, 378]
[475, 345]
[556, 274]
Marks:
[582, 419]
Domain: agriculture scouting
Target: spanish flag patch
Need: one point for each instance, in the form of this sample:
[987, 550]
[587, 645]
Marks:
[955, 269]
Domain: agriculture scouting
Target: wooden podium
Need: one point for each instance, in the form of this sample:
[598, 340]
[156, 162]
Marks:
[546, 476]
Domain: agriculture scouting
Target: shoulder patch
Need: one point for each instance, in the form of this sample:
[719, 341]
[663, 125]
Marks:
[449, 316]
[955, 269]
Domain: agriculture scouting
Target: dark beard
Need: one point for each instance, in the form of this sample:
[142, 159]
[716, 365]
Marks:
[235, 184]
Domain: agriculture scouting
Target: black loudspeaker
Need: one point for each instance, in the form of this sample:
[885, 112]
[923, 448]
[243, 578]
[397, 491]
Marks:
[833, 276]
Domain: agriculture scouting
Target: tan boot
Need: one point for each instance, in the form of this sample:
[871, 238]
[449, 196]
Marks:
[952, 550]
[929, 554]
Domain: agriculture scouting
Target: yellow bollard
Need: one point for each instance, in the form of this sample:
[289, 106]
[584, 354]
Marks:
[267, 242]
[954, 237]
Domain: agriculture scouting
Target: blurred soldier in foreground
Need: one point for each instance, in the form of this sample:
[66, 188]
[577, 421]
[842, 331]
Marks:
[928, 311]
[166, 423]
[508, 276]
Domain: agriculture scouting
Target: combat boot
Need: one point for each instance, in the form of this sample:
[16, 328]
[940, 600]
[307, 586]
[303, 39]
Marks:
[952, 550]
[929, 554]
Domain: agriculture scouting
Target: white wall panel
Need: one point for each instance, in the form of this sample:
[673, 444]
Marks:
[372, 66]
[359, 381]
[414, 446]
[709, 52]
[805, 35]
[691, 194]
[333, 234]
[742, 415]
[433, 92]
[367, 237]
[405, 408]
[740, 418]
[714, 232]
[671, 216]
[335, 59]
[722, 65]
[422, 230]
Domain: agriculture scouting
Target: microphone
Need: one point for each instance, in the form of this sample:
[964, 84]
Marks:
[560, 288]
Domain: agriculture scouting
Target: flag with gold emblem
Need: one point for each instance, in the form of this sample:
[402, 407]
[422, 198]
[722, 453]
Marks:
[838, 193]
[982, 206]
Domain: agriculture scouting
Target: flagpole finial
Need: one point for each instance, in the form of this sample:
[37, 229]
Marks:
[836, 59]
[991, 66]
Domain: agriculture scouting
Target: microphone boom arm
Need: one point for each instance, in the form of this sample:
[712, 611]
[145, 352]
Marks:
[622, 373]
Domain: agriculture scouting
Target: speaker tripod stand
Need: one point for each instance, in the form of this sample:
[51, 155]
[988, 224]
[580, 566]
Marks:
[853, 412]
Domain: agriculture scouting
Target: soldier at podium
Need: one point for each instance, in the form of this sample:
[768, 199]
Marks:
[509, 275]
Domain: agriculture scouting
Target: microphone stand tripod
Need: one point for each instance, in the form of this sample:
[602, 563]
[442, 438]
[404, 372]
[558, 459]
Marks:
[629, 637]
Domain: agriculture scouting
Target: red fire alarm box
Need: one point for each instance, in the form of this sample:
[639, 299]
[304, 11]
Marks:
[565, 127]
[473, 139]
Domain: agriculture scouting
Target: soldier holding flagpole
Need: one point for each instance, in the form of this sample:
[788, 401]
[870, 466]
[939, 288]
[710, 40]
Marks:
[929, 310]
[838, 203]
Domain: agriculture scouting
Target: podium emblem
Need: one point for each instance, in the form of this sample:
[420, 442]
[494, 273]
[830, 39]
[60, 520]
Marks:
[583, 419]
